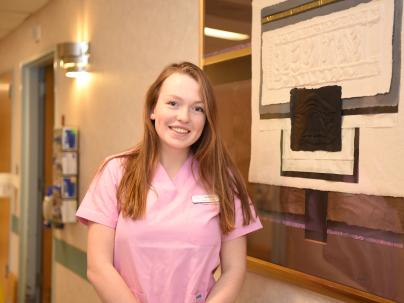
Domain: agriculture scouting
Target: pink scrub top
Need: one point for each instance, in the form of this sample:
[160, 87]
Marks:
[170, 255]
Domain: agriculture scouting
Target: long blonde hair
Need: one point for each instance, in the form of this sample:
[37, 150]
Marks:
[218, 173]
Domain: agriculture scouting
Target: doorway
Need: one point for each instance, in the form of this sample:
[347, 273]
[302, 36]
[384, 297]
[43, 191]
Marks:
[5, 170]
[47, 133]
[37, 124]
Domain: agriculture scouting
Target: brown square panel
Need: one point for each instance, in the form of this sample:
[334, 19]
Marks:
[316, 119]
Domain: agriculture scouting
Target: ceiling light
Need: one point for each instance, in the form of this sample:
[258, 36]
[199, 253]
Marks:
[217, 33]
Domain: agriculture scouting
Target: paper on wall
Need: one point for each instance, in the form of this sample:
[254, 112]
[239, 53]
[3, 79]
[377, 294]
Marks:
[69, 163]
[68, 209]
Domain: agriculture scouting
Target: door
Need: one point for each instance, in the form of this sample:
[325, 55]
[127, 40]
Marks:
[5, 169]
[48, 125]
[36, 157]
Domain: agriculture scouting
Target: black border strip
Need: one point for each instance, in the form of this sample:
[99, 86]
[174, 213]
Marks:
[370, 110]
[345, 112]
[354, 178]
[297, 9]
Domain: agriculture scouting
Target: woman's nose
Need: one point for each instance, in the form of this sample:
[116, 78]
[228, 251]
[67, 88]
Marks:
[183, 114]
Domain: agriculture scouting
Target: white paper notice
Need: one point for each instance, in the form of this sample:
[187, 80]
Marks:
[69, 208]
[69, 163]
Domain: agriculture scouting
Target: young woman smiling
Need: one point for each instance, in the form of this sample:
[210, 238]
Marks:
[164, 215]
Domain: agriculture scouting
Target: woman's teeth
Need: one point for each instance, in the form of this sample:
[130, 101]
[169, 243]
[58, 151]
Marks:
[180, 130]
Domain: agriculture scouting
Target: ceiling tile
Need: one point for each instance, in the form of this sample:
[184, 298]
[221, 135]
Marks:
[3, 33]
[11, 20]
[24, 6]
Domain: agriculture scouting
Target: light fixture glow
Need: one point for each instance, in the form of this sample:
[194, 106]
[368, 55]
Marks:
[76, 72]
[217, 33]
[73, 57]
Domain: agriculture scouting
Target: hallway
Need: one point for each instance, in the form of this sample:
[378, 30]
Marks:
[102, 110]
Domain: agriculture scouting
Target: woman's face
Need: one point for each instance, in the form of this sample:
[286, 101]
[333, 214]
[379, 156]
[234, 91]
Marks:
[179, 114]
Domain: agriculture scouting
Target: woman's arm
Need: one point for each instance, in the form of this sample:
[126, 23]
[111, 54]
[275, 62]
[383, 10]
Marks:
[233, 264]
[101, 273]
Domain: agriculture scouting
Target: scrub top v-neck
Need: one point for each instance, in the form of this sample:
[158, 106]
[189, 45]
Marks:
[170, 255]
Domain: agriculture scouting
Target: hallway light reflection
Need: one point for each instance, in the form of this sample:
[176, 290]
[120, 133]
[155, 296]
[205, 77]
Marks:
[82, 78]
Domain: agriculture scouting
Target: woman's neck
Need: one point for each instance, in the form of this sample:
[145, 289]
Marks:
[172, 160]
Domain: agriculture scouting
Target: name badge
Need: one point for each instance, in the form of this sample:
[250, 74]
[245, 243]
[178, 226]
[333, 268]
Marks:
[205, 199]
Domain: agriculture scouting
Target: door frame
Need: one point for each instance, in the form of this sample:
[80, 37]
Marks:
[30, 183]
[9, 200]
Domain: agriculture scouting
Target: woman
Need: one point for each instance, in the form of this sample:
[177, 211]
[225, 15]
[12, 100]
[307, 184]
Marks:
[163, 215]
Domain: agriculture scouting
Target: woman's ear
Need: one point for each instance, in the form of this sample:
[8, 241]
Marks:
[152, 115]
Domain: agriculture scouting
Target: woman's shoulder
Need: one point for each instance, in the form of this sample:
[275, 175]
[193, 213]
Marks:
[116, 161]
[113, 161]
[113, 165]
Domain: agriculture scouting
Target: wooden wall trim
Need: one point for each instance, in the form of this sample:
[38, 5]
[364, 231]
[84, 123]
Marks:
[316, 284]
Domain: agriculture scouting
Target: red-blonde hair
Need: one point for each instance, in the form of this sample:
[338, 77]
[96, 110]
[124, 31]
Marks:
[218, 174]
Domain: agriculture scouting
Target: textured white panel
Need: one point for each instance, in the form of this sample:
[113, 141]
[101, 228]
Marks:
[377, 120]
[346, 153]
[351, 48]
[340, 167]
[320, 161]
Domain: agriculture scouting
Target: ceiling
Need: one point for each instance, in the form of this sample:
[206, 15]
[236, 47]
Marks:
[14, 12]
[229, 9]
[229, 15]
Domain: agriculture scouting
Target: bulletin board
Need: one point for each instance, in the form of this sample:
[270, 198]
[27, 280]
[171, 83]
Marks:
[65, 175]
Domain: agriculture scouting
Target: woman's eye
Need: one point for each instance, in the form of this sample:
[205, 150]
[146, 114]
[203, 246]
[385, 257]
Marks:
[172, 103]
[199, 109]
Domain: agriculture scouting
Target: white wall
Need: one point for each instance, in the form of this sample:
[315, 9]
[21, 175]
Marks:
[131, 41]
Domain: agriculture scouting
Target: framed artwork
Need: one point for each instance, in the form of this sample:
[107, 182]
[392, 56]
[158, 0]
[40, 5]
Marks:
[326, 142]
[330, 199]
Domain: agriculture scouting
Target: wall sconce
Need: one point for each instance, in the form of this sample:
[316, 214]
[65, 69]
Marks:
[73, 57]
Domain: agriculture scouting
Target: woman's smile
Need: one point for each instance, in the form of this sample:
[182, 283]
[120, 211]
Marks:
[179, 114]
[180, 130]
